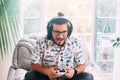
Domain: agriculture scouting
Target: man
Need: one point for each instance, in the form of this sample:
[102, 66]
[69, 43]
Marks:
[58, 53]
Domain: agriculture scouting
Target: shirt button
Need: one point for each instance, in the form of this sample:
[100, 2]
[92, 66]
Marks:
[61, 59]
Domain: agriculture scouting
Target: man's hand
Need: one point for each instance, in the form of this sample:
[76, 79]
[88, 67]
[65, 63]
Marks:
[51, 73]
[70, 73]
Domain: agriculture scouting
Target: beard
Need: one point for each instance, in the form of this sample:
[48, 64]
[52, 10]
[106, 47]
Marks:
[59, 43]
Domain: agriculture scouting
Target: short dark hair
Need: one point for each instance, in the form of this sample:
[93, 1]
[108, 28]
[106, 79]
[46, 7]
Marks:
[58, 20]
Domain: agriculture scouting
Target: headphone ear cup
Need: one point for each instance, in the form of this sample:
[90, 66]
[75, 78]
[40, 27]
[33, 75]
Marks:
[49, 30]
[48, 26]
[70, 29]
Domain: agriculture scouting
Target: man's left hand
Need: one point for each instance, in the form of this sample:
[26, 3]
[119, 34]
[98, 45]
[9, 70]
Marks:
[70, 73]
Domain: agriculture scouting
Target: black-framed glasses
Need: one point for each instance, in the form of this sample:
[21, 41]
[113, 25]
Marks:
[56, 32]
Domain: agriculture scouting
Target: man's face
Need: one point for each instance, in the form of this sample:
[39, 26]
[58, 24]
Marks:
[59, 33]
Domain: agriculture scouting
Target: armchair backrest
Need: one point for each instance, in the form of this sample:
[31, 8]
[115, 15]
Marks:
[22, 54]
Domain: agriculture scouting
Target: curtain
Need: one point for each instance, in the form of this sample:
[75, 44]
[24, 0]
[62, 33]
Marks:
[10, 25]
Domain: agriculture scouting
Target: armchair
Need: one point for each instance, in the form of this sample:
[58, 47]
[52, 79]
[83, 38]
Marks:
[21, 60]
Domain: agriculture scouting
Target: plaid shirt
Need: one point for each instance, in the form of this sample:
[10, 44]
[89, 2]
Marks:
[48, 54]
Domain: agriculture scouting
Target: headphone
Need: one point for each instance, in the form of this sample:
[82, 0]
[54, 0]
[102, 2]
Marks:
[60, 19]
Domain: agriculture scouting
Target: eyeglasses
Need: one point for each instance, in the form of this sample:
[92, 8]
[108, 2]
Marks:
[56, 32]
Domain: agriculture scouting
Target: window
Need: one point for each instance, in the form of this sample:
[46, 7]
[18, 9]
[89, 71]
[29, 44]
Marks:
[104, 30]
[94, 22]
[31, 16]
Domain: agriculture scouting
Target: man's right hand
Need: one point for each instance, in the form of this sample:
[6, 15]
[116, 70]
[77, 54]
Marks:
[51, 73]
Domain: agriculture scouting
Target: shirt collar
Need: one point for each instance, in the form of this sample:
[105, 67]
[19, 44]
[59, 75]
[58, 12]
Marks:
[58, 47]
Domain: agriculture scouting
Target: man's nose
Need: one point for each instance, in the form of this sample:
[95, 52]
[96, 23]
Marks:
[60, 35]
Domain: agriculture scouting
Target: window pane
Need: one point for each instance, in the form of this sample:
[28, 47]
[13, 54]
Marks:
[106, 8]
[31, 26]
[82, 25]
[105, 25]
[106, 66]
[31, 8]
[105, 54]
[68, 7]
[104, 40]
[85, 38]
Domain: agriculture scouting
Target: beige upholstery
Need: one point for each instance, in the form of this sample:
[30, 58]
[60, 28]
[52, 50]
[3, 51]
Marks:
[21, 59]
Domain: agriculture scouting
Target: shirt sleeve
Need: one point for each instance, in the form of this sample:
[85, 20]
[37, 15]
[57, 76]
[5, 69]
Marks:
[37, 52]
[81, 54]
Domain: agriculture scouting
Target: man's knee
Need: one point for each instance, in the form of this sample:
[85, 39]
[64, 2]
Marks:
[34, 75]
[84, 76]
[29, 75]
[87, 76]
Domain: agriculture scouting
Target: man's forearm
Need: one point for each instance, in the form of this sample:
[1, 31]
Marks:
[38, 68]
[80, 68]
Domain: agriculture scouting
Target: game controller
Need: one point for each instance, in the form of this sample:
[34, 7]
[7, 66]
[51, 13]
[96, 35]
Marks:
[62, 72]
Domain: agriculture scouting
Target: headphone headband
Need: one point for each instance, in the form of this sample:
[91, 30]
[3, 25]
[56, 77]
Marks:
[58, 20]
